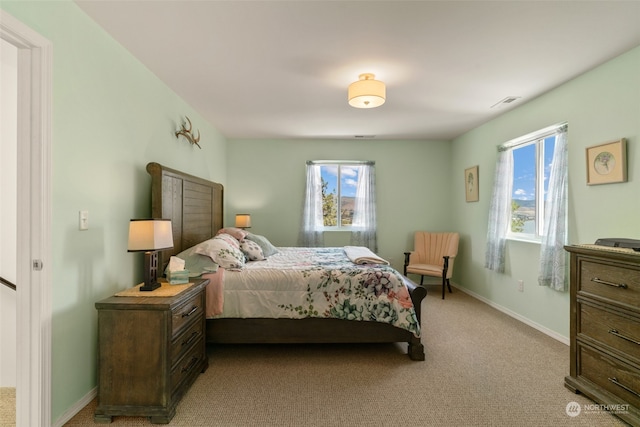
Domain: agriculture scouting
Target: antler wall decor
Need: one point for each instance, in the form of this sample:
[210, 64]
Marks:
[187, 133]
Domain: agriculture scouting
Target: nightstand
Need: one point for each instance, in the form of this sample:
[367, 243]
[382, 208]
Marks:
[150, 351]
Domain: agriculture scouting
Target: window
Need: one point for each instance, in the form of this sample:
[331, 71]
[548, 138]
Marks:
[339, 183]
[529, 201]
[532, 163]
[339, 195]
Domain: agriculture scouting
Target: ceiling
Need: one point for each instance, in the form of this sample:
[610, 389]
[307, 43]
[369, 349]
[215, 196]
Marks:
[280, 69]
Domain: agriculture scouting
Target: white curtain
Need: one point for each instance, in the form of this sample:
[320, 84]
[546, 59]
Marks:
[363, 231]
[499, 212]
[553, 258]
[311, 232]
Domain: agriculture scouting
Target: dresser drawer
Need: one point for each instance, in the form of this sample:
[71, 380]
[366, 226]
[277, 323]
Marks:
[185, 340]
[188, 365]
[612, 375]
[183, 314]
[610, 281]
[619, 332]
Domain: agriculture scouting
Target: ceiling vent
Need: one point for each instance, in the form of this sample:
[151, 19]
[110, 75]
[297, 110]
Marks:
[506, 101]
[364, 136]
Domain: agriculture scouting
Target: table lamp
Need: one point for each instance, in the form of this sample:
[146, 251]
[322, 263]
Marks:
[243, 221]
[150, 236]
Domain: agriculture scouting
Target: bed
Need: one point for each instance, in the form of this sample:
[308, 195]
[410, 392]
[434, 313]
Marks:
[195, 207]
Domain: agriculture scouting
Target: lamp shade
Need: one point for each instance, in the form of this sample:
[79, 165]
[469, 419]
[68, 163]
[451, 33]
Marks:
[243, 220]
[367, 92]
[150, 235]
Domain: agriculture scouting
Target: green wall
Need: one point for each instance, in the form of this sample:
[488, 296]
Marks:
[267, 180]
[111, 116]
[600, 106]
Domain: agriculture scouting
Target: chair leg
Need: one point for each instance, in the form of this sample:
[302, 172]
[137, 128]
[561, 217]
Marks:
[421, 280]
[445, 267]
[448, 283]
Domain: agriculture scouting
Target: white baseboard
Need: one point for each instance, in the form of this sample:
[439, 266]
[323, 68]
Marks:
[77, 407]
[529, 322]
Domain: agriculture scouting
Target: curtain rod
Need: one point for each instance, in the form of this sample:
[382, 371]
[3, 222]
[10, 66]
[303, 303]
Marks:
[542, 133]
[335, 162]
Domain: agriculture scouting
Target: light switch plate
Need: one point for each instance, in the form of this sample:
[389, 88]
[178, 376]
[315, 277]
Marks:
[84, 220]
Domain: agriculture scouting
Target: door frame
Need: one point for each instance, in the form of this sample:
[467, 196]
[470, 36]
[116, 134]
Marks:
[34, 202]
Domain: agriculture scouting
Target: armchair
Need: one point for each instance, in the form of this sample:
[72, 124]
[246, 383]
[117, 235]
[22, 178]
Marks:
[433, 255]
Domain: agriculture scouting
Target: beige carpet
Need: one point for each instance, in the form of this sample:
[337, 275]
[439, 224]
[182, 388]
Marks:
[7, 407]
[483, 368]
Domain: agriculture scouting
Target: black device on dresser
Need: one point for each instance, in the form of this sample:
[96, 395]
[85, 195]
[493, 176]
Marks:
[619, 243]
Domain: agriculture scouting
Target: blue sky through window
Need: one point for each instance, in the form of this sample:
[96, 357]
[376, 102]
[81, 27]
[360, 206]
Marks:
[524, 169]
[524, 173]
[348, 179]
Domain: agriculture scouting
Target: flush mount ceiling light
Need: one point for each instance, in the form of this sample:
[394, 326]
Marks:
[367, 92]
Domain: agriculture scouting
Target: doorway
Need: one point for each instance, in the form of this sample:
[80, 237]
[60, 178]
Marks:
[33, 224]
[8, 224]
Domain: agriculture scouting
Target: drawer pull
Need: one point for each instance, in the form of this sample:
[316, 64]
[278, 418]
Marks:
[193, 310]
[604, 282]
[194, 336]
[193, 362]
[619, 335]
[616, 382]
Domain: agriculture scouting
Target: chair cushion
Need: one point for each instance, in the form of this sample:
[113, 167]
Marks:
[425, 269]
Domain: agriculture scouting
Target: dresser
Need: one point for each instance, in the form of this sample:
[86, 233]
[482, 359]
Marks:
[605, 328]
[150, 350]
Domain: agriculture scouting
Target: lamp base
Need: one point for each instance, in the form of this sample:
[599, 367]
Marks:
[150, 271]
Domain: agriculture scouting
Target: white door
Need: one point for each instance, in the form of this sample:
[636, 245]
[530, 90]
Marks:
[33, 231]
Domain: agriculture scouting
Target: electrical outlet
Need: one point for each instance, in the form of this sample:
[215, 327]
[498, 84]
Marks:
[521, 285]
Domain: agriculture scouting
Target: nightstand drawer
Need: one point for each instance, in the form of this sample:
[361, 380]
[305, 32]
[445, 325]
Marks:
[617, 283]
[619, 332]
[192, 309]
[612, 375]
[185, 340]
[189, 365]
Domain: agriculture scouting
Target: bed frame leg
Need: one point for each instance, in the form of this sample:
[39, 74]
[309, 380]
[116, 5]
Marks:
[416, 351]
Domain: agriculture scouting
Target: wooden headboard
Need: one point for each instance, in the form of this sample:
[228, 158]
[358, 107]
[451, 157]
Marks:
[194, 206]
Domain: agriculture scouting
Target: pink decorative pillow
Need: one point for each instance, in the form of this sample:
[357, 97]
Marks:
[238, 233]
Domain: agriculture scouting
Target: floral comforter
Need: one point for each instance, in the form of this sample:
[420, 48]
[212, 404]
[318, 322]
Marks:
[318, 282]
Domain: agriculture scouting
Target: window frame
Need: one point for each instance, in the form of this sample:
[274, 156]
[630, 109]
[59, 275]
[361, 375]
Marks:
[536, 138]
[339, 164]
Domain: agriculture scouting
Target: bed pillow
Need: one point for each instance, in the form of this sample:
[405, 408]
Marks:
[224, 250]
[237, 233]
[196, 264]
[267, 248]
[252, 250]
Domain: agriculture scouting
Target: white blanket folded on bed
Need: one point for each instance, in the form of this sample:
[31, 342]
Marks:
[362, 255]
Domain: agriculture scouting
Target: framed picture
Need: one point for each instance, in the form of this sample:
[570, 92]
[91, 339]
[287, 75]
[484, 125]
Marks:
[607, 163]
[471, 184]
